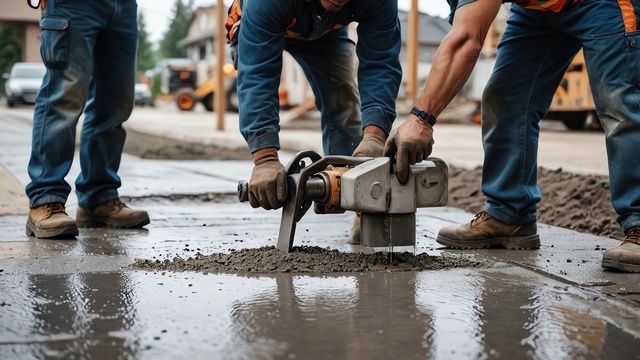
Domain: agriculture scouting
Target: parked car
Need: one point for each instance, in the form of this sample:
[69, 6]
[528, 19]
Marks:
[23, 83]
[143, 95]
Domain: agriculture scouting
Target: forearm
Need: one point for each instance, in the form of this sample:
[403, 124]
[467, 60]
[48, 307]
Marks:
[453, 63]
[457, 55]
[260, 47]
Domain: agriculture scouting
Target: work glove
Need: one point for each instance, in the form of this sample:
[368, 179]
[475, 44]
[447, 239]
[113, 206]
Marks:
[372, 145]
[410, 143]
[267, 186]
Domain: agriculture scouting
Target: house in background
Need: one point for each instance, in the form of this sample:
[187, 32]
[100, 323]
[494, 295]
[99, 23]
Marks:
[200, 46]
[26, 21]
[431, 32]
[200, 41]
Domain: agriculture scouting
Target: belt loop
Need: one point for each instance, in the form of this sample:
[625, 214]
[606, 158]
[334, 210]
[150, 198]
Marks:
[628, 16]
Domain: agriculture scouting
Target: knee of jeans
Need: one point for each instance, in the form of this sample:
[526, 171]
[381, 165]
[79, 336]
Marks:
[616, 106]
[340, 98]
[69, 92]
[492, 102]
[495, 91]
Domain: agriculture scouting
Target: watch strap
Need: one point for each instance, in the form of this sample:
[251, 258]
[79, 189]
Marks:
[424, 116]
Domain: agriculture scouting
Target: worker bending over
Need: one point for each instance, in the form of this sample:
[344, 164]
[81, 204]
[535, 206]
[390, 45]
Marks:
[540, 40]
[314, 32]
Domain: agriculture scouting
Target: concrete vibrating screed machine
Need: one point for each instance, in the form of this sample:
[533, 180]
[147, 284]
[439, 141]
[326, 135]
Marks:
[366, 185]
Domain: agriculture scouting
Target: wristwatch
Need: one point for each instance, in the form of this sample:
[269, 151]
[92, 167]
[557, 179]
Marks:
[424, 116]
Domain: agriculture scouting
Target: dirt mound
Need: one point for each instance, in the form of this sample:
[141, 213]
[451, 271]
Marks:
[573, 201]
[307, 259]
[155, 147]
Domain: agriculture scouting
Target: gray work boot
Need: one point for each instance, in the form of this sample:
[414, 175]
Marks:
[113, 214]
[50, 221]
[625, 257]
[486, 232]
[355, 231]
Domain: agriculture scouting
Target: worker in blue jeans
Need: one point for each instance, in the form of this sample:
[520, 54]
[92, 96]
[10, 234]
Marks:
[356, 118]
[540, 40]
[89, 49]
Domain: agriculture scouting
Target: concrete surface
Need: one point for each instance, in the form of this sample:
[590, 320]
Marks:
[13, 200]
[81, 299]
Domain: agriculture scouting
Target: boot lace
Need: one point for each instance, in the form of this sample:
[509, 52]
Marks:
[55, 208]
[633, 235]
[479, 217]
[117, 204]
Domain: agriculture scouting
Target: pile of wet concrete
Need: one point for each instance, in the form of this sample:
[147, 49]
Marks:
[573, 201]
[307, 259]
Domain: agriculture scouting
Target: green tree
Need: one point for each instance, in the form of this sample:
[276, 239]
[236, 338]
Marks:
[146, 55]
[10, 50]
[178, 29]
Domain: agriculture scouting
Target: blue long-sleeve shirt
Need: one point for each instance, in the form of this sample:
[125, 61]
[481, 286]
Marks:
[265, 26]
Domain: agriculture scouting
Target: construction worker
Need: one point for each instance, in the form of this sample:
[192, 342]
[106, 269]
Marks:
[89, 49]
[314, 32]
[539, 43]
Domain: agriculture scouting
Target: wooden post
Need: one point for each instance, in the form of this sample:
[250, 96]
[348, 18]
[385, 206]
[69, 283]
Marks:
[412, 52]
[221, 43]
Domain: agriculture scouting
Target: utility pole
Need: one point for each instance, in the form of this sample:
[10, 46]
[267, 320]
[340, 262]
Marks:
[221, 44]
[412, 52]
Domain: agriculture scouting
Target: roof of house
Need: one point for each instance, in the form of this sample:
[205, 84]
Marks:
[431, 29]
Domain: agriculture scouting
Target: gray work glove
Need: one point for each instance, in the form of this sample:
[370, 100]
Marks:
[410, 143]
[267, 186]
[372, 145]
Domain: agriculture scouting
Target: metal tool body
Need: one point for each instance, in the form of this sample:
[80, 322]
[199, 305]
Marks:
[366, 185]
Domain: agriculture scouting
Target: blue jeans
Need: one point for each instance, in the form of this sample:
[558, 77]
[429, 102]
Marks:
[535, 51]
[89, 48]
[328, 64]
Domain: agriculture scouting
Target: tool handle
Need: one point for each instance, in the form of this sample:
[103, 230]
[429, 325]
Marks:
[243, 191]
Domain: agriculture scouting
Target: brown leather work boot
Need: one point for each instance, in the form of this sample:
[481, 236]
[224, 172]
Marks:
[486, 232]
[625, 257]
[355, 231]
[113, 214]
[50, 221]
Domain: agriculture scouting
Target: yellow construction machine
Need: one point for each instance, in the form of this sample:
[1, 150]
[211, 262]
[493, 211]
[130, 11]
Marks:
[187, 97]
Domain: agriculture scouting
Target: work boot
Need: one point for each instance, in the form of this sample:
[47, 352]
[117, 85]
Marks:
[50, 221]
[355, 230]
[113, 214]
[625, 257]
[484, 232]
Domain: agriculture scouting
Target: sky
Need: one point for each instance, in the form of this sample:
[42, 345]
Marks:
[158, 12]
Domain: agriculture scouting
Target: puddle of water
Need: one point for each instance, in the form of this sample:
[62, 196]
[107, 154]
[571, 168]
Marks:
[459, 313]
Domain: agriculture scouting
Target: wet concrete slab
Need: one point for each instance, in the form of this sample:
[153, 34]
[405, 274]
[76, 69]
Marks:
[82, 299]
[503, 312]
[569, 256]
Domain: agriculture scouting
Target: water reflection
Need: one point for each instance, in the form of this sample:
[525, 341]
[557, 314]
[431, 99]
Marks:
[455, 314]
[345, 317]
[68, 315]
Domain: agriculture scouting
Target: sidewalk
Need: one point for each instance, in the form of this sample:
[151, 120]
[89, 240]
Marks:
[461, 145]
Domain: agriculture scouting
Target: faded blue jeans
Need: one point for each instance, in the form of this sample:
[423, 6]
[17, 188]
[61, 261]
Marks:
[328, 64]
[89, 48]
[535, 51]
